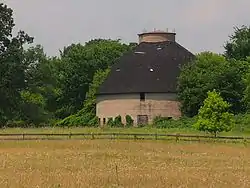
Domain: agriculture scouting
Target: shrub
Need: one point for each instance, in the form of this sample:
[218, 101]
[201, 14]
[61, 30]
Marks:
[242, 123]
[17, 124]
[129, 121]
[110, 122]
[166, 123]
[87, 115]
[213, 116]
[94, 122]
[118, 122]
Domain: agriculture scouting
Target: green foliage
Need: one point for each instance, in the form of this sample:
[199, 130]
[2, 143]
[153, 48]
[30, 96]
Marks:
[242, 123]
[110, 122]
[238, 46]
[213, 116]
[32, 108]
[12, 68]
[247, 91]
[166, 123]
[38, 90]
[77, 68]
[129, 121]
[118, 121]
[207, 72]
[87, 115]
[17, 124]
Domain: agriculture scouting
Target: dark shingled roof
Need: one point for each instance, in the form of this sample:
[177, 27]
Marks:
[150, 68]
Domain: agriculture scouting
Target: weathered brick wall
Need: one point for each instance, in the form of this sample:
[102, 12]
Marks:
[129, 104]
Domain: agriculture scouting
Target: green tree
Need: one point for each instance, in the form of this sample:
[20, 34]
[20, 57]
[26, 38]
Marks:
[238, 46]
[40, 83]
[213, 116]
[77, 68]
[87, 115]
[12, 67]
[207, 72]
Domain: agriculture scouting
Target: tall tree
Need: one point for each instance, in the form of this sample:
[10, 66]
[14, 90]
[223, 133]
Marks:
[12, 68]
[207, 72]
[77, 68]
[238, 46]
[40, 86]
[87, 115]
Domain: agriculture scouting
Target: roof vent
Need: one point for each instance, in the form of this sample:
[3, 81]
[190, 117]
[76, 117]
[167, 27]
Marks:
[118, 70]
[151, 70]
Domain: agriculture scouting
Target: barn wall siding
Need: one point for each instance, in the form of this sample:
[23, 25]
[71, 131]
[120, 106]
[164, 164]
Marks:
[155, 104]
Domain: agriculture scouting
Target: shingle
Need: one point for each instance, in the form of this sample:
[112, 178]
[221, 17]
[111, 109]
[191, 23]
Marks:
[150, 68]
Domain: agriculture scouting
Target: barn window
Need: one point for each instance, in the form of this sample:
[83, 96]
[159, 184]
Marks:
[104, 121]
[142, 96]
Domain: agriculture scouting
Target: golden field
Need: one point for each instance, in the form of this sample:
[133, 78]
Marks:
[109, 163]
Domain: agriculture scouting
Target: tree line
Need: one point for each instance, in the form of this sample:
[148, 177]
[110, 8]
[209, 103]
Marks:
[36, 89]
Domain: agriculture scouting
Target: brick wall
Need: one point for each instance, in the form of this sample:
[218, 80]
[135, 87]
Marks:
[129, 104]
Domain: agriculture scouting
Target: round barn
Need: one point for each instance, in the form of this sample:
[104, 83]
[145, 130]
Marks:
[143, 82]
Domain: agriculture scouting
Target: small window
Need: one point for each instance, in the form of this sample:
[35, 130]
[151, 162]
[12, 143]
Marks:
[104, 121]
[142, 96]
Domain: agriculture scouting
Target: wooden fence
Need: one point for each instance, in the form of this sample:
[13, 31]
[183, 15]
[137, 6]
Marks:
[127, 136]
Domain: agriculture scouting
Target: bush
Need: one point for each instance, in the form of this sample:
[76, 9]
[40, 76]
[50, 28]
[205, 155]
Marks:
[110, 122]
[17, 124]
[129, 121]
[118, 122]
[166, 123]
[242, 123]
[94, 122]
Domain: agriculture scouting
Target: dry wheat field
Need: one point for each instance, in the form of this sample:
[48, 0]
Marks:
[109, 163]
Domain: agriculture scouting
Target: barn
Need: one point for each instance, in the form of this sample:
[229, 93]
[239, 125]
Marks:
[143, 82]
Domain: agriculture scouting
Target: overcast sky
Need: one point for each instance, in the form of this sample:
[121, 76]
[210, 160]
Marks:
[200, 24]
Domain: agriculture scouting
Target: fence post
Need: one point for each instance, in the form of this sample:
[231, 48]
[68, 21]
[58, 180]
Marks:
[177, 137]
[245, 142]
[23, 136]
[198, 138]
[156, 136]
[70, 134]
[93, 136]
[113, 136]
[135, 137]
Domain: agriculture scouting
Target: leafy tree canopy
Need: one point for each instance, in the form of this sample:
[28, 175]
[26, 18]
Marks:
[238, 46]
[213, 116]
[207, 72]
[87, 115]
[77, 68]
[12, 67]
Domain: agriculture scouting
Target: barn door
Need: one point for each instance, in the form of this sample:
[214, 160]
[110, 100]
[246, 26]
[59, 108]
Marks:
[142, 120]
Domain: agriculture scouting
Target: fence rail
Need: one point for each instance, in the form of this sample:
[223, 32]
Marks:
[129, 136]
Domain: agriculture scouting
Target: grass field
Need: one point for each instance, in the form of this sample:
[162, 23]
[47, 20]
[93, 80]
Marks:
[106, 163]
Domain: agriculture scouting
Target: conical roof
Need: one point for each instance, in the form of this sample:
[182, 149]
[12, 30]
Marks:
[152, 67]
